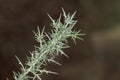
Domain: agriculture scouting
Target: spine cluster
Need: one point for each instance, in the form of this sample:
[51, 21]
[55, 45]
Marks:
[50, 45]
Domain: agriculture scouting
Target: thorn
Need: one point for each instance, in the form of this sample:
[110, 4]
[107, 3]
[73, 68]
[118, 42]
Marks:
[51, 18]
[73, 14]
[64, 13]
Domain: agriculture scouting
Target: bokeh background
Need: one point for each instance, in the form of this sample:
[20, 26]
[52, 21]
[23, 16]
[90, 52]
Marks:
[95, 58]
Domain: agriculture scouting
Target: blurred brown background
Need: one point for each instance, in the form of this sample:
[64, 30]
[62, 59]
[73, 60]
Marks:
[95, 58]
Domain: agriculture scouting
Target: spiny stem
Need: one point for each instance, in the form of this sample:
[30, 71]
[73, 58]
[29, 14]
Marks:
[51, 45]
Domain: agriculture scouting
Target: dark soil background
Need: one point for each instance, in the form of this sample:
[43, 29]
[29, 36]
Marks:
[95, 58]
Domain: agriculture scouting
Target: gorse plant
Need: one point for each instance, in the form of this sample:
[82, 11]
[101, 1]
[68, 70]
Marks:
[50, 45]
